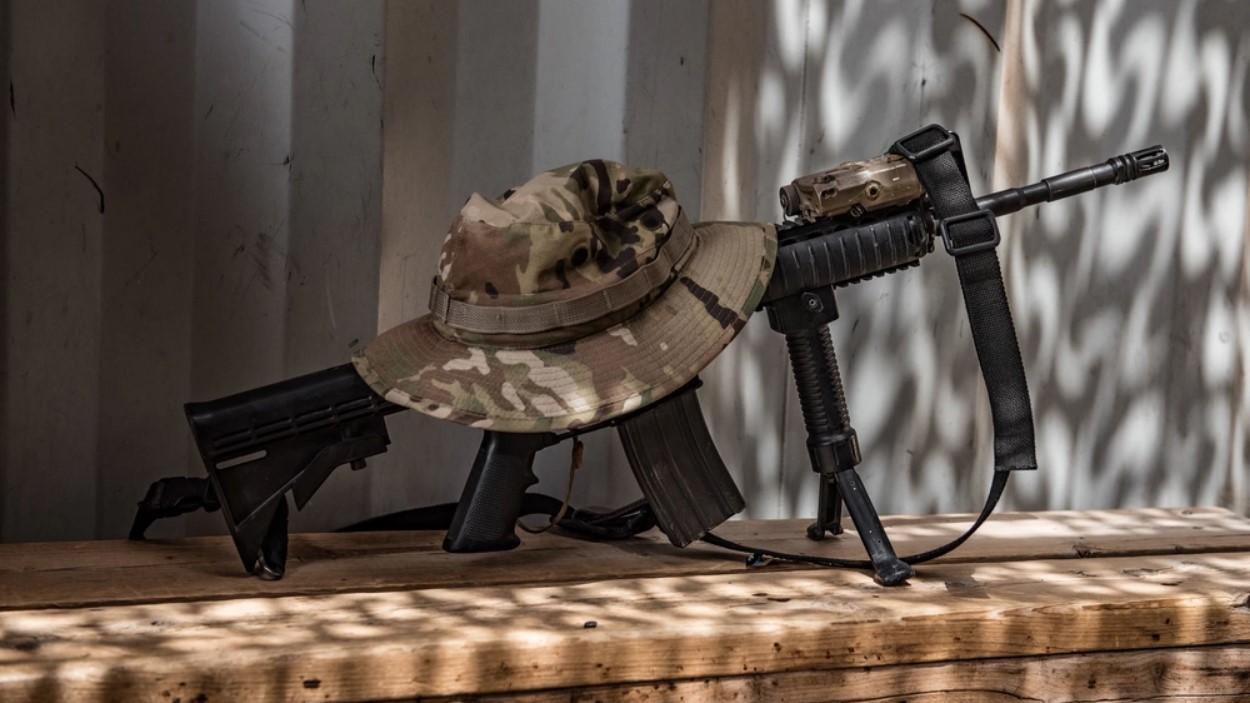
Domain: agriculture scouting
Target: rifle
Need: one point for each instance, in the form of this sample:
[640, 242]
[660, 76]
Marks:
[852, 223]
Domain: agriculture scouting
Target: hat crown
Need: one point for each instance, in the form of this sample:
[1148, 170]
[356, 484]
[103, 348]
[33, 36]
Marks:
[564, 234]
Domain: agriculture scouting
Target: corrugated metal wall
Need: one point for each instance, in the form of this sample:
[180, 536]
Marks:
[202, 197]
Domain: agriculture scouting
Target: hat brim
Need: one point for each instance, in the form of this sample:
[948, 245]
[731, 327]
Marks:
[597, 377]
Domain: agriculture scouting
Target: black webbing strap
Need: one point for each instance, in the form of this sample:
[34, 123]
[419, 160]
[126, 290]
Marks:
[171, 497]
[757, 555]
[626, 521]
[970, 235]
[178, 495]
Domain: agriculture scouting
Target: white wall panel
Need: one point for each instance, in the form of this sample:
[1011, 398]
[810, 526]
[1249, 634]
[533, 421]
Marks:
[579, 88]
[279, 177]
[241, 193]
[747, 385]
[335, 210]
[55, 221]
[148, 248]
[872, 73]
[418, 167]
[1131, 301]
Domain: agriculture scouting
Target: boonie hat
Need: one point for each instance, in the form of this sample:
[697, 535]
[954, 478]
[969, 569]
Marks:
[577, 297]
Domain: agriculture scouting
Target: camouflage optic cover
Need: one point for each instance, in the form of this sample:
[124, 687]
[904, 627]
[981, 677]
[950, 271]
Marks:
[566, 234]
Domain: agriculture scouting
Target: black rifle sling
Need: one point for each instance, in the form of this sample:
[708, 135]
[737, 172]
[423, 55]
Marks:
[621, 523]
[970, 235]
[178, 495]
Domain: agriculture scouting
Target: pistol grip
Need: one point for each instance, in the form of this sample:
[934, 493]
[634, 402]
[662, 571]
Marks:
[485, 518]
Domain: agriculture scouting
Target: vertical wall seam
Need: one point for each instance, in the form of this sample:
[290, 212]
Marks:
[1010, 167]
[1236, 497]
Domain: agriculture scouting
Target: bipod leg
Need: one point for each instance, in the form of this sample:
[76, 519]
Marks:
[834, 450]
[828, 511]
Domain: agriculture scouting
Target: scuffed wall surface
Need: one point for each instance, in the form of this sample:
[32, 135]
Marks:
[277, 177]
[1131, 302]
[53, 240]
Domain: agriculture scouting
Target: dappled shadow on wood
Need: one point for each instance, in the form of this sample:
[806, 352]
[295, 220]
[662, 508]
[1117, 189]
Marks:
[622, 636]
[208, 568]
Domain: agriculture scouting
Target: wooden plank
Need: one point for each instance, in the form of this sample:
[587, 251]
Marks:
[1190, 675]
[365, 646]
[74, 574]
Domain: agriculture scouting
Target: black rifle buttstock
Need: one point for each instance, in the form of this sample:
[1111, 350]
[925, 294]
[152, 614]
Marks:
[678, 468]
[485, 518]
[287, 436]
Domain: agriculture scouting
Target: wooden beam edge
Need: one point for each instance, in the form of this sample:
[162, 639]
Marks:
[1211, 673]
[462, 641]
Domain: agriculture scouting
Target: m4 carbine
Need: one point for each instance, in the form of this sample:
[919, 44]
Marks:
[852, 223]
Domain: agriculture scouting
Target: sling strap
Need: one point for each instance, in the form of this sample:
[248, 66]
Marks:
[970, 235]
[626, 521]
[178, 495]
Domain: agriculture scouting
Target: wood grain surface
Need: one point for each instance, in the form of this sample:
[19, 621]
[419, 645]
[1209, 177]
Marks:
[1190, 675]
[77, 574]
[567, 620]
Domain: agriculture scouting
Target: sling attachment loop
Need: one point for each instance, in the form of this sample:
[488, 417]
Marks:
[575, 463]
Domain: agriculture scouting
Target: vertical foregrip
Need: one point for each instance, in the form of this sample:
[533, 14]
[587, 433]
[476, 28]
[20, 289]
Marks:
[839, 396]
[819, 383]
[485, 518]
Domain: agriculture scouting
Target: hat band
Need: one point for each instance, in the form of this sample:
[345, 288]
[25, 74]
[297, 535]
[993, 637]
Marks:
[532, 319]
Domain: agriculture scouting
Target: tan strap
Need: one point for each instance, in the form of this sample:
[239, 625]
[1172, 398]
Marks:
[531, 319]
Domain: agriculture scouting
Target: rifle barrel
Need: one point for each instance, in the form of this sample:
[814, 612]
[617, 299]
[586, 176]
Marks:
[1116, 170]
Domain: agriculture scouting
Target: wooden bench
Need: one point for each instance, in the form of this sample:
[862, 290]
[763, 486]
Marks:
[1063, 606]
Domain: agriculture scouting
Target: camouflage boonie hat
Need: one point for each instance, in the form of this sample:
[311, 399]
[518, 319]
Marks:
[580, 296]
